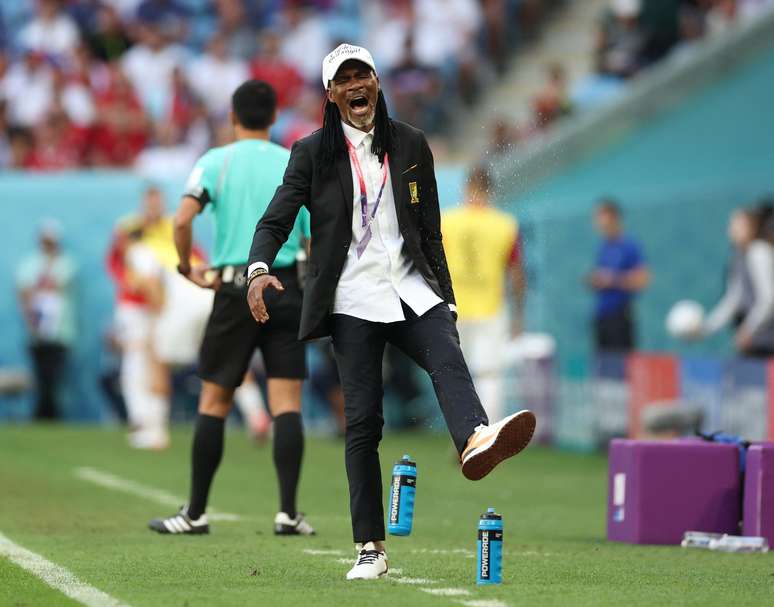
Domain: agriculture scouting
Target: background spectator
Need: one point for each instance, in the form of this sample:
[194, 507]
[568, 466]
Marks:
[46, 283]
[109, 39]
[304, 39]
[121, 129]
[149, 65]
[52, 32]
[27, 89]
[619, 274]
[215, 75]
[748, 302]
[553, 101]
[269, 66]
[483, 252]
[621, 40]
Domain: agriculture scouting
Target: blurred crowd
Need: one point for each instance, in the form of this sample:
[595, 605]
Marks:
[146, 83]
[631, 36]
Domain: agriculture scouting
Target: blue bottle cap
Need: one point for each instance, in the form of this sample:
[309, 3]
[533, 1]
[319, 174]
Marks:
[491, 515]
[407, 461]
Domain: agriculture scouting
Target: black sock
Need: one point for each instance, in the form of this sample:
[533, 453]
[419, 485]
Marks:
[288, 452]
[206, 454]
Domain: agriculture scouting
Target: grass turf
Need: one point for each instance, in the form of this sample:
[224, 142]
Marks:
[553, 506]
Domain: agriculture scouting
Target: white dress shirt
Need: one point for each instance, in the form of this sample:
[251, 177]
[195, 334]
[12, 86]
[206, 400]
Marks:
[371, 287]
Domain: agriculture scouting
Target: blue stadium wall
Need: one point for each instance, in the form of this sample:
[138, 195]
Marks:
[678, 177]
[87, 204]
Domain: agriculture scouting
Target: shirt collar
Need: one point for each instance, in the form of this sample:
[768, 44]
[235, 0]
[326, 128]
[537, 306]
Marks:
[356, 136]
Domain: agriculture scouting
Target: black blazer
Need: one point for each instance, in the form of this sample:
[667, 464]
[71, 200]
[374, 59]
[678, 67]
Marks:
[329, 198]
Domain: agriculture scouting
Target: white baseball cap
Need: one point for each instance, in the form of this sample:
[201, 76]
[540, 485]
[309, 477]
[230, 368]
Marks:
[342, 53]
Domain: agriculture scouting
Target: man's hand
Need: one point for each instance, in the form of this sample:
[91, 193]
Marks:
[205, 277]
[255, 295]
[743, 340]
[600, 279]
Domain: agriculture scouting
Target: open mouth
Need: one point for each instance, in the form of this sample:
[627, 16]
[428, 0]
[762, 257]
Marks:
[358, 105]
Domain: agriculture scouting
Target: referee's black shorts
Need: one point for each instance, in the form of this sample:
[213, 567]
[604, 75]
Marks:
[232, 334]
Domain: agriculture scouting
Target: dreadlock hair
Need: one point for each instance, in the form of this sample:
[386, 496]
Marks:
[333, 143]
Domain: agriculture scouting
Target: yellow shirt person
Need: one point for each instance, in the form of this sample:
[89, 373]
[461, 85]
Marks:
[480, 244]
[482, 251]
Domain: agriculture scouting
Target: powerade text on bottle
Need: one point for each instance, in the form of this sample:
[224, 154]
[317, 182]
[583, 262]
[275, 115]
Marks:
[402, 492]
[490, 548]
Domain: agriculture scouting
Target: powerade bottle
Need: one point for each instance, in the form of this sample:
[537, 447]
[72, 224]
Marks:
[402, 492]
[490, 548]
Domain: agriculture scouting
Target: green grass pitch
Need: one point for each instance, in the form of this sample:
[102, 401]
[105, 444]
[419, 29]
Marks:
[553, 505]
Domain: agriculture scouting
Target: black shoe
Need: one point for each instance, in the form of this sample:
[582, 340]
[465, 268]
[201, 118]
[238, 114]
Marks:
[284, 525]
[180, 524]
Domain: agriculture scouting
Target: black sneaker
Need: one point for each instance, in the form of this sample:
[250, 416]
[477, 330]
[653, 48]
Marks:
[284, 525]
[180, 524]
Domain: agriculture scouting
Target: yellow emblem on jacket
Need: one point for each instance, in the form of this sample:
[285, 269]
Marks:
[414, 191]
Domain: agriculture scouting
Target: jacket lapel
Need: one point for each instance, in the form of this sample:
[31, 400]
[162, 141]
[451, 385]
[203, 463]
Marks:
[344, 170]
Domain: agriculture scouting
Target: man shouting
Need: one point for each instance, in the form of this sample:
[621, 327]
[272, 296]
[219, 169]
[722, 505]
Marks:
[377, 274]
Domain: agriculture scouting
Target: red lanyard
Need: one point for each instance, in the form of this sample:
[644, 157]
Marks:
[365, 220]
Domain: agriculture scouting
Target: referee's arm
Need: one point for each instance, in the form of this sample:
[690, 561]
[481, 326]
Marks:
[183, 230]
[189, 208]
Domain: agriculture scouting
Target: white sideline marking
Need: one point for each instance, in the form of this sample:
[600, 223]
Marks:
[414, 581]
[316, 552]
[446, 591]
[55, 576]
[396, 575]
[466, 552]
[111, 481]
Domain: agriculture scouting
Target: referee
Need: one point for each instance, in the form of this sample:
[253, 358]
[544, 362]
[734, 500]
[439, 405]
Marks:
[237, 181]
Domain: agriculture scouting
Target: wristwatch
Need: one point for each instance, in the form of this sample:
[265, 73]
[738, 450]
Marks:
[259, 271]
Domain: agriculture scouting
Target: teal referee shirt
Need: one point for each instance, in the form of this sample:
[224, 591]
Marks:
[237, 182]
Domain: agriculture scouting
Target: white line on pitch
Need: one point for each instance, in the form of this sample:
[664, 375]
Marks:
[484, 603]
[56, 576]
[446, 591]
[316, 552]
[413, 581]
[466, 552]
[125, 485]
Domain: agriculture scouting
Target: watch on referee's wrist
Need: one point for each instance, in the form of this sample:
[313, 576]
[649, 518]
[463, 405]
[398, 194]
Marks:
[184, 269]
[255, 274]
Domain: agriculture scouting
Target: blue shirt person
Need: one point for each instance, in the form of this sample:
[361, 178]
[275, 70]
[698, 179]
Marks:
[619, 274]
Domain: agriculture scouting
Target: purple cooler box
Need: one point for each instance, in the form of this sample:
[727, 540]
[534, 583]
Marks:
[759, 492]
[658, 490]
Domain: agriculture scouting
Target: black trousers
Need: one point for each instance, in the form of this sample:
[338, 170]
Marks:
[432, 341]
[614, 332]
[48, 360]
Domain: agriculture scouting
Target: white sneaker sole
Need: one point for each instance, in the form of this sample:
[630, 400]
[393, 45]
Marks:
[381, 575]
[511, 439]
[353, 579]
